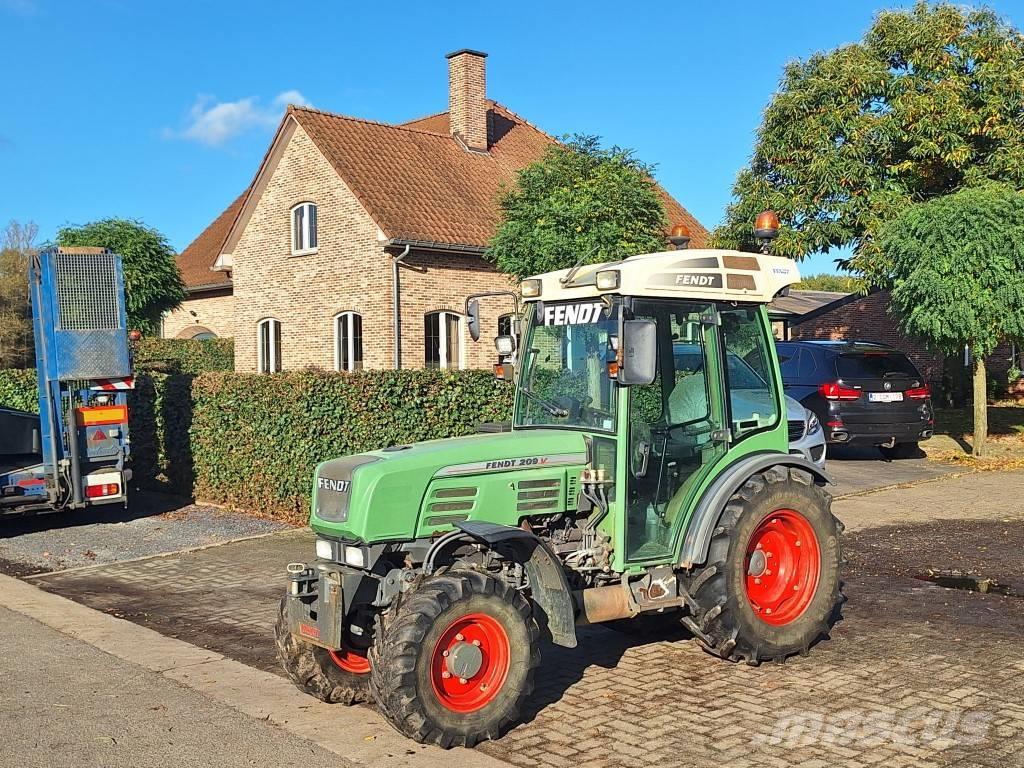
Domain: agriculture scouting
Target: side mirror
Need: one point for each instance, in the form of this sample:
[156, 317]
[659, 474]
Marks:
[473, 319]
[638, 352]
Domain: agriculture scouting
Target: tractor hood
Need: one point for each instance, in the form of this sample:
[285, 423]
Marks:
[380, 495]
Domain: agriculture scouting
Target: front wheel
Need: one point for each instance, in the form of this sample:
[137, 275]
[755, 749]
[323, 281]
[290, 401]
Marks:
[771, 587]
[337, 677]
[455, 661]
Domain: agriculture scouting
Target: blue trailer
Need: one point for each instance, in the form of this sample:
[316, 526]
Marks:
[74, 453]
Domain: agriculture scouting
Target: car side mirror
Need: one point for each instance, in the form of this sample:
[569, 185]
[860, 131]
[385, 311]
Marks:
[638, 352]
[473, 319]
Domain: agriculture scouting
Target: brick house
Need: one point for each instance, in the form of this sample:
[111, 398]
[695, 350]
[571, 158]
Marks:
[357, 242]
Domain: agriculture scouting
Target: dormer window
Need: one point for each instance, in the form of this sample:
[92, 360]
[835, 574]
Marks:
[304, 229]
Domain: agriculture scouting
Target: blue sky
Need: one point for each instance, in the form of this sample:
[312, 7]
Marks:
[163, 110]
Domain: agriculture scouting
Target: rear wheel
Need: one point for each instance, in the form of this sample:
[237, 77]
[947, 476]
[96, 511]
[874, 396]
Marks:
[771, 587]
[337, 677]
[901, 451]
[455, 660]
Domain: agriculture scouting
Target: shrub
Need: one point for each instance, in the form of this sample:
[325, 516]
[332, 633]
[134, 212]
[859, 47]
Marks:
[255, 440]
[192, 356]
[18, 389]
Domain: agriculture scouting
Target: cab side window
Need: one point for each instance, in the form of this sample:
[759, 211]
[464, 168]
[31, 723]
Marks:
[753, 399]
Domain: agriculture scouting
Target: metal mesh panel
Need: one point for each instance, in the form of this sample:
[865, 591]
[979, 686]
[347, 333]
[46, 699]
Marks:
[87, 295]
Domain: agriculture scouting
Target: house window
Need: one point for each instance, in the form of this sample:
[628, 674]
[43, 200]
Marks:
[268, 339]
[304, 228]
[348, 342]
[442, 333]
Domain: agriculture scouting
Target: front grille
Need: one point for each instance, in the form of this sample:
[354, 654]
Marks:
[796, 430]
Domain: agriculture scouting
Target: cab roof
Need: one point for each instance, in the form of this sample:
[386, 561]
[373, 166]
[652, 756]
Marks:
[708, 274]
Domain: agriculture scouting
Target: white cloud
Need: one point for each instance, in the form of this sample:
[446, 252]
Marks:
[214, 123]
[292, 97]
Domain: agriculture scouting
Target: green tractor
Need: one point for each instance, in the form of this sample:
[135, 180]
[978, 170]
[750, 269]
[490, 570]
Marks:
[645, 477]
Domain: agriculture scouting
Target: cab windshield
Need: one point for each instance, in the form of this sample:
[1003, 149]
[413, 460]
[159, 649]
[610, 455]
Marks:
[564, 359]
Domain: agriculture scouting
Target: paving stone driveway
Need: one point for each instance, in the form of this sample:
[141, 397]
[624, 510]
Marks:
[914, 676]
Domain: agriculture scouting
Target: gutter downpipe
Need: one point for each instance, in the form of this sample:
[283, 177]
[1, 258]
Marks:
[396, 304]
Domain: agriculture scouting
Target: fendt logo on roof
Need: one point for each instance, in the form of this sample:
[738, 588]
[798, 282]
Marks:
[699, 280]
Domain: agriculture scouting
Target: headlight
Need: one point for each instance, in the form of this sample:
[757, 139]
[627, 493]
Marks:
[324, 549]
[355, 556]
[336, 552]
[813, 425]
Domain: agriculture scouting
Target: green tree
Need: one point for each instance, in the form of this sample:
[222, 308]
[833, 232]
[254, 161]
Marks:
[579, 202]
[15, 312]
[152, 282]
[930, 101]
[957, 272]
[828, 282]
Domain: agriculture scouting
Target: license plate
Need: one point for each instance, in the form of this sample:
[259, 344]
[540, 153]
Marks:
[885, 397]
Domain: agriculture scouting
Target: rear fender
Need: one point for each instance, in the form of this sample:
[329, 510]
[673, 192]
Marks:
[711, 504]
[555, 610]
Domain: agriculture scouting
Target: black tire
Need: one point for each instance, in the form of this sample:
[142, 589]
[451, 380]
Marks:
[408, 636]
[731, 625]
[901, 451]
[313, 670]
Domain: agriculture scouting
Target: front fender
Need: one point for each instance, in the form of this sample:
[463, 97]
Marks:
[555, 610]
[711, 504]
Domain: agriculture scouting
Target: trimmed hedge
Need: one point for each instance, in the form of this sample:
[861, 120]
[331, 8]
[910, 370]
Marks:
[18, 389]
[253, 441]
[193, 356]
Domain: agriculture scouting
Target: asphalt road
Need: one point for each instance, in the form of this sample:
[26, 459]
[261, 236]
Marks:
[856, 470]
[63, 703]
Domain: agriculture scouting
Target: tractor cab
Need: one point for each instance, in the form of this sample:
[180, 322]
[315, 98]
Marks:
[667, 360]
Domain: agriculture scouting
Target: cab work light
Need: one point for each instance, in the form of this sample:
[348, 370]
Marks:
[607, 279]
[530, 288]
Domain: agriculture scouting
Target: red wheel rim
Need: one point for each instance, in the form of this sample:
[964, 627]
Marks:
[783, 564]
[470, 663]
[351, 661]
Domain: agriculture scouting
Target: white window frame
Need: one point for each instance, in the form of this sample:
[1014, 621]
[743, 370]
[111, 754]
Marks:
[444, 363]
[348, 318]
[309, 229]
[273, 326]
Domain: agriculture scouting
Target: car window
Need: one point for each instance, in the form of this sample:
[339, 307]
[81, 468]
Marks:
[875, 365]
[808, 366]
[789, 361]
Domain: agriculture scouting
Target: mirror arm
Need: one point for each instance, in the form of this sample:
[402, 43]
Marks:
[510, 294]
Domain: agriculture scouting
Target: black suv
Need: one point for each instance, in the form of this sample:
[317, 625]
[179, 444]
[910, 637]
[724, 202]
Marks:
[863, 393]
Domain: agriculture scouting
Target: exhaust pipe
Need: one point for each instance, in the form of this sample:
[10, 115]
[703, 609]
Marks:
[840, 437]
[600, 604]
[927, 433]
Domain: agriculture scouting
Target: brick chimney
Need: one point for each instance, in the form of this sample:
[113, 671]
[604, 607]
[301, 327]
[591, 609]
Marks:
[467, 97]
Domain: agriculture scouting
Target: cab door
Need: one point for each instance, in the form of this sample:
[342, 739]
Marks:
[675, 426]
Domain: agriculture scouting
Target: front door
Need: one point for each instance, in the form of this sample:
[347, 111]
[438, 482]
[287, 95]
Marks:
[675, 426]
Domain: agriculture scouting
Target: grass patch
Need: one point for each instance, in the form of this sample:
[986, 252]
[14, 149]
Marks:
[954, 435]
